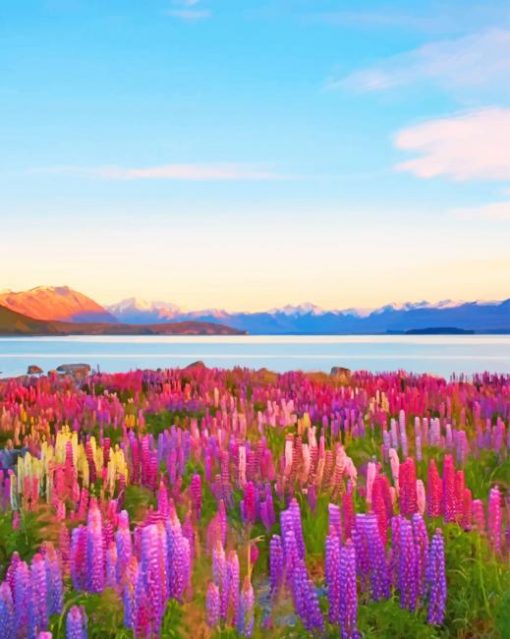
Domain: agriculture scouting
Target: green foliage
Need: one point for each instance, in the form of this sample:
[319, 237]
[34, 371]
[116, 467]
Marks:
[172, 626]
[478, 586]
[484, 471]
[387, 620]
[137, 500]
[34, 528]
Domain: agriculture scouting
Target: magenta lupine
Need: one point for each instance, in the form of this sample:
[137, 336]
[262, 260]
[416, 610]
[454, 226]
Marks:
[332, 574]
[76, 623]
[494, 519]
[436, 580]
[7, 617]
[348, 613]
[212, 604]
[196, 495]
[407, 576]
[95, 551]
[478, 515]
[249, 504]
[449, 501]
[276, 572]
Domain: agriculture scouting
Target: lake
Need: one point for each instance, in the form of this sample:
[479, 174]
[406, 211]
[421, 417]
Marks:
[441, 355]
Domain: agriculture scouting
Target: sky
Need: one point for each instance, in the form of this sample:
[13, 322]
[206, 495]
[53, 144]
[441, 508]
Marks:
[248, 155]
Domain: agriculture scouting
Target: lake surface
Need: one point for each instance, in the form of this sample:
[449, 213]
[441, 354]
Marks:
[441, 355]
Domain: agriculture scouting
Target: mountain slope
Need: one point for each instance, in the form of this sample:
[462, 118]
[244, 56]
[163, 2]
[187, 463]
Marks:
[59, 303]
[12, 324]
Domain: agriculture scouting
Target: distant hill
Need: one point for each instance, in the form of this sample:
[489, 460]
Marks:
[59, 303]
[307, 319]
[12, 324]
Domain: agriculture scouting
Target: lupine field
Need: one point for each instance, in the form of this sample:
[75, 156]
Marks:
[212, 503]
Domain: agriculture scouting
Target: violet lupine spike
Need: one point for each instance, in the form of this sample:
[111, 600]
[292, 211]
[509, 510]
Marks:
[22, 595]
[7, 616]
[348, 594]
[407, 581]
[276, 568]
[246, 617]
[436, 580]
[196, 495]
[212, 604]
[421, 543]
[332, 573]
[54, 581]
[76, 623]
[220, 576]
[379, 573]
[95, 551]
[79, 558]
[123, 545]
[297, 527]
[38, 607]
[152, 563]
[234, 582]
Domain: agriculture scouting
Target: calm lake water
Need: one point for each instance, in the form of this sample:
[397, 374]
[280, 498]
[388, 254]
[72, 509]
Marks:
[441, 355]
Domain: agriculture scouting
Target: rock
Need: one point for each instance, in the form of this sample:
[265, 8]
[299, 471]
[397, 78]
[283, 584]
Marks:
[198, 364]
[340, 370]
[33, 369]
[76, 370]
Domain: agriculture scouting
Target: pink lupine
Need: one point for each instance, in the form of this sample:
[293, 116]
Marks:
[494, 519]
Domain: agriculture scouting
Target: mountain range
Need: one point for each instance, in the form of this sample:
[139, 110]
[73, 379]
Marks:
[63, 303]
[480, 317]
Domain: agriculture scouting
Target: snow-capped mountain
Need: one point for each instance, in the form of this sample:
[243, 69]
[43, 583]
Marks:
[139, 311]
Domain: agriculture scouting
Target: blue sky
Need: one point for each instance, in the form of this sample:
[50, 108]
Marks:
[252, 154]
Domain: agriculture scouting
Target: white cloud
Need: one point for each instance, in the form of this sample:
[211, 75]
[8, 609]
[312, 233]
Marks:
[491, 211]
[471, 146]
[476, 60]
[178, 172]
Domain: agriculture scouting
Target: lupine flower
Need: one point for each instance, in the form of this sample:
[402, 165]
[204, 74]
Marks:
[76, 623]
[246, 609]
[213, 605]
[332, 574]
[407, 575]
[494, 518]
[7, 617]
[348, 596]
[275, 564]
[95, 551]
[436, 580]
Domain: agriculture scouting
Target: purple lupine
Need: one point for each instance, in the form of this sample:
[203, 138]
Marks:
[331, 572]
[334, 520]
[275, 564]
[220, 576]
[348, 594]
[53, 580]
[79, 558]
[421, 543]
[38, 614]
[233, 581]
[76, 623]
[7, 617]
[245, 618]
[151, 565]
[359, 538]
[95, 550]
[379, 576]
[407, 575]
[297, 527]
[494, 518]
[123, 544]
[436, 580]
[212, 604]
[22, 596]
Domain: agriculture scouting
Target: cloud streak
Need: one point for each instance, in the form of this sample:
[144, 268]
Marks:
[476, 60]
[491, 211]
[188, 10]
[216, 172]
[470, 146]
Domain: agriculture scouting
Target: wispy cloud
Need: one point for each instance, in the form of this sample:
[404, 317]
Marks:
[188, 10]
[470, 146]
[491, 211]
[476, 60]
[178, 172]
